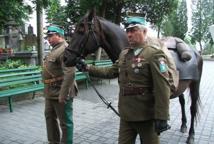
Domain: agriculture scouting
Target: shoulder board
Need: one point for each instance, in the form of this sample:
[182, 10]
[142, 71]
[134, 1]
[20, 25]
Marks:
[155, 46]
[124, 51]
[154, 42]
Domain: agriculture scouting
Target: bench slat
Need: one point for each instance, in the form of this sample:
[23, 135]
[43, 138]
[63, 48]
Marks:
[18, 69]
[18, 74]
[16, 91]
[19, 78]
[20, 82]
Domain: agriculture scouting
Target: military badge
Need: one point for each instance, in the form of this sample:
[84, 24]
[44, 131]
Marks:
[137, 51]
[162, 66]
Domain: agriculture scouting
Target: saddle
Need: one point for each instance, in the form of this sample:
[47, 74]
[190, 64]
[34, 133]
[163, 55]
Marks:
[184, 57]
[177, 44]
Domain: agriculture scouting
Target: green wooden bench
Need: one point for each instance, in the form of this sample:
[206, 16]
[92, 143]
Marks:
[15, 82]
[102, 63]
[79, 76]
[18, 81]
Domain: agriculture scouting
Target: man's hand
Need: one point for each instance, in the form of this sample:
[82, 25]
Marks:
[81, 65]
[62, 99]
[161, 125]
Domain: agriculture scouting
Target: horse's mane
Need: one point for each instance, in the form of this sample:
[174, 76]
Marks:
[114, 34]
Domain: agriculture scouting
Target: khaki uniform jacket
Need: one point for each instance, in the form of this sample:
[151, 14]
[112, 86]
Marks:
[142, 70]
[53, 67]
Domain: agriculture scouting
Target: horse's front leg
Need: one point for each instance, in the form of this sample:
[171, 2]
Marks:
[183, 128]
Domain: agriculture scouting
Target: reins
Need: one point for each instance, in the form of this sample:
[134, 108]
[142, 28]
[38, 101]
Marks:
[90, 29]
[108, 104]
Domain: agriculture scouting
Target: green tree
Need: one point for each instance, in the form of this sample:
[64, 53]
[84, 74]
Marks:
[56, 13]
[14, 10]
[202, 18]
[176, 24]
[154, 11]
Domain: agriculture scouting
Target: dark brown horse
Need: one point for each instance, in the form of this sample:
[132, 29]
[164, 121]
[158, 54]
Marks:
[93, 32]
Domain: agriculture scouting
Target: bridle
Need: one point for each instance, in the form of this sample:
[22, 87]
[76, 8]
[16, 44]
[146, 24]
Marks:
[90, 29]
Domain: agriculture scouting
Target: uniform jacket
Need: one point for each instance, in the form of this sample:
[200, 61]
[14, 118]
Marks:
[140, 68]
[53, 67]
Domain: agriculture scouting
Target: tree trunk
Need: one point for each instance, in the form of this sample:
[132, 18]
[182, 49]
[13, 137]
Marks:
[200, 47]
[39, 17]
[102, 14]
[117, 10]
[158, 36]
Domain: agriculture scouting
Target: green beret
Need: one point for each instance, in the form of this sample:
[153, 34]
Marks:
[55, 29]
[135, 21]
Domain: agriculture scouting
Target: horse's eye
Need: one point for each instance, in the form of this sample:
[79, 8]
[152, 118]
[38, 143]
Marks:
[81, 30]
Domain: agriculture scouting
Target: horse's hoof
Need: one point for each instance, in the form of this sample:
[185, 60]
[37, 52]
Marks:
[183, 129]
[190, 140]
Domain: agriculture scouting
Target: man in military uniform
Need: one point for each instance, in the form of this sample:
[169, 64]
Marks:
[143, 76]
[60, 88]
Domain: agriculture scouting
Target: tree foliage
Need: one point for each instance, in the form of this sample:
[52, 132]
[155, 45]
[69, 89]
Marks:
[154, 11]
[176, 24]
[13, 10]
[55, 13]
[17, 10]
[202, 18]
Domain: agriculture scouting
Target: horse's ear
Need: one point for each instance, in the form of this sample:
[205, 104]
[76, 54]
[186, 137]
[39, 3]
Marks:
[91, 14]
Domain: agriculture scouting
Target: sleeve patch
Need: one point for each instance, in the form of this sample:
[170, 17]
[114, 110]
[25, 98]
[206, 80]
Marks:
[163, 66]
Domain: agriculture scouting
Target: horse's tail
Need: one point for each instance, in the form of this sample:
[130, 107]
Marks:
[195, 90]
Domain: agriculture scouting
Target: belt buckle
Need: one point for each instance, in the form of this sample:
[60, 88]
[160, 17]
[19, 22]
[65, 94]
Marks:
[52, 84]
[129, 84]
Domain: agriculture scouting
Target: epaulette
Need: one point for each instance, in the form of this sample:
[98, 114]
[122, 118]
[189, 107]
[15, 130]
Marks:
[154, 42]
[127, 48]
[155, 46]
[124, 51]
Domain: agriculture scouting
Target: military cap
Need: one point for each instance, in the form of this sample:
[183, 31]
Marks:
[55, 29]
[135, 21]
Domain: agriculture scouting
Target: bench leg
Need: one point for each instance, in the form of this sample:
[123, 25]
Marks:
[10, 104]
[34, 93]
[86, 82]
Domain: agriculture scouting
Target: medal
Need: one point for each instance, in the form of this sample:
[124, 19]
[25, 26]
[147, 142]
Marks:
[139, 64]
[138, 59]
[133, 65]
[136, 70]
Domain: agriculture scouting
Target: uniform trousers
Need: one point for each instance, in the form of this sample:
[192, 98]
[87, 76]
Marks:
[129, 130]
[59, 119]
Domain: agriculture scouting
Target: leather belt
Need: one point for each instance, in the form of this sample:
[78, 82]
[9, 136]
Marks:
[134, 90]
[49, 81]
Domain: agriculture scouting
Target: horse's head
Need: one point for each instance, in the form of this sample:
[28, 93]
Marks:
[85, 39]
[91, 33]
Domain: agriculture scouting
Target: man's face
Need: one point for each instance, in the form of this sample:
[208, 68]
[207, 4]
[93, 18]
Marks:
[53, 39]
[136, 36]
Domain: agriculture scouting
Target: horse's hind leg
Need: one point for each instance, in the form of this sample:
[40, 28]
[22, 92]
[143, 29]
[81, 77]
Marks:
[194, 91]
[183, 128]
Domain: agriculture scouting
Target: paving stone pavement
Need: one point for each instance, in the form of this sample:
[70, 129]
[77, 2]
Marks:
[95, 124]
